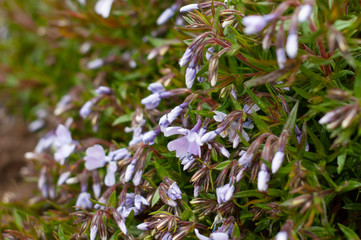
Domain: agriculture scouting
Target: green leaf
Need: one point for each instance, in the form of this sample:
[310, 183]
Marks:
[123, 119]
[223, 165]
[353, 206]
[348, 186]
[113, 199]
[249, 193]
[156, 197]
[348, 232]
[61, 233]
[161, 170]
[18, 220]
[341, 162]
[291, 120]
[357, 85]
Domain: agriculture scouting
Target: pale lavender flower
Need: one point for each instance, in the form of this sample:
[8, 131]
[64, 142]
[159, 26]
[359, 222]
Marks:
[63, 144]
[94, 64]
[103, 90]
[256, 23]
[93, 232]
[189, 7]
[190, 143]
[45, 142]
[149, 136]
[82, 2]
[103, 7]
[209, 136]
[282, 235]
[95, 157]
[139, 200]
[304, 13]
[187, 161]
[209, 53]
[167, 119]
[118, 154]
[97, 189]
[83, 200]
[277, 160]
[250, 109]
[129, 172]
[137, 177]
[62, 178]
[190, 76]
[62, 104]
[292, 44]
[281, 57]
[109, 179]
[174, 192]
[86, 109]
[245, 159]
[213, 236]
[167, 14]
[186, 56]
[158, 93]
[143, 226]
[263, 178]
[167, 236]
[224, 193]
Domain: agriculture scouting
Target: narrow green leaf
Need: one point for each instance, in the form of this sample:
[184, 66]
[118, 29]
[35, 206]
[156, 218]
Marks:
[113, 199]
[341, 162]
[223, 165]
[61, 233]
[291, 120]
[349, 233]
[156, 197]
[123, 119]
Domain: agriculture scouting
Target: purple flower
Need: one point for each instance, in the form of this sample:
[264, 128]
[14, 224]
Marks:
[109, 179]
[137, 177]
[213, 236]
[93, 232]
[129, 172]
[153, 100]
[190, 143]
[189, 7]
[174, 192]
[292, 44]
[94, 64]
[86, 109]
[139, 200]
[143, 226]
[167, 14]
[62, 104]
[187, 161]
[304, 13]
[149, 136]
[63, 143]
[167, 119]
[45, 142]
[83, 200]
[282, 235]
[255, 23]
[103, 7]
[95, 157]
[277, 160]
[186, 56]
[281, 57]
[62, 178]
[102, 90]
[263, 178]
[190, 76]
[224, 193]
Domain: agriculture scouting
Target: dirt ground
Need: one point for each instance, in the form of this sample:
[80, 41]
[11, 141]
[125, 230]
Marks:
[15, 140]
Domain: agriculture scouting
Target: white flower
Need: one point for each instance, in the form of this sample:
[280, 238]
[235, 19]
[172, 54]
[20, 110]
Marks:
[304, 13]
[277, 161]
[263, 178]
[282, 235]
[103, 7]
[189, 7]
[292, 45]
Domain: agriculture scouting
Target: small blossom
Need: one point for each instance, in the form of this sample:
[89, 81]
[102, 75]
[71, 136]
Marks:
[83, 200]
[213, 236]
[282, 235]
[245, 159]
[94, 64]
[209, 136]
[224, 193]
[153, 100]
[167, 14]
[137, 177]
[292, 44]
[277, 160]
[63, 177]
[281, 57]
[187, 161]
[86, 109]
[143, 226]
[129, 172]
[103, 7]
[109, 179]
[62, 104]
[190, 76]
[139, 200]
[255, 23]
[186, 56]
[189, 7]
[93, 232]
[304, 13]
[263, 178]
[95, 157]
[63, 143]
[102, 90]
[174, 192]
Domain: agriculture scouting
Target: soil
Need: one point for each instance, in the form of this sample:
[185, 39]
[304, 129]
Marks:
[15, 141]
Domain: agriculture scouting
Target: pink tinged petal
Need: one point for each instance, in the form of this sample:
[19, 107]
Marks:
[200, 236]
[277, 161]
[103, 7]
[110, 177]
[219, 236]
[179, 145]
